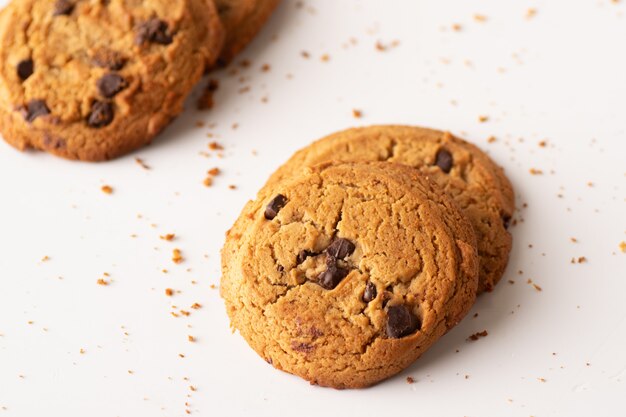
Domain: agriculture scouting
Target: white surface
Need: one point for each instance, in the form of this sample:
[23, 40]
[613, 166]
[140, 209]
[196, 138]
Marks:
[560, 76]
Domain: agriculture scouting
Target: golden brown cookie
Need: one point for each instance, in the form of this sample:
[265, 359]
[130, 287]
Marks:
[474, 181]
[242, 20]
[345, 274]
[94, 79]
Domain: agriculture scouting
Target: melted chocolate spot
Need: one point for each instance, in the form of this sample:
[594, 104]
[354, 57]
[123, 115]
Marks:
[112, 60]
[34, 109]
[63, 7]
[303, 255]
[443, 160]
[274, 206]
[111, 84]
[341, 248]
[370, 292]
[333, 275]
[101, 114]
[401, 322]
[25, 69]
[153, 30]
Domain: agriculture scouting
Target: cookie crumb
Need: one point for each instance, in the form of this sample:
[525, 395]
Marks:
[457, 27]
[541, 379]
[535, 286]
[543, 144]
[305, 54]
[46, 258]
[169, 237]
[410, 380]
[191, 338]
[214, 146]
[357, 114]
[169, 292]
[483, 119]
[232, 187]
[107, 189]
[325, 58]
[177, 256]
[102, 281]
[573, 240]
[196, 306]
[477, 336]
[480, 18]
[208, 181]
[582, 260]
[622, 246]
[530, 13]
[142, 164]
[535, 171]
[491, 139]
[265, 67]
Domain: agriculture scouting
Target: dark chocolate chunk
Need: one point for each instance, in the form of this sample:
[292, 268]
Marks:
[443, 160]
[333, 275]
[370, 292]
[34, 109]
[341, 248]
[274, 206]
[25, 69]
[101, 114]
[105, 58]
[63, 7]
[506, 221]
[303, 255]
[153, 30]
[111, 84]
[401, 322]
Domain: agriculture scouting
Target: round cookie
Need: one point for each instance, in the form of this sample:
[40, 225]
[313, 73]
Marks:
[94, 79]
[242, 20]
[345, 274]
[474, 181]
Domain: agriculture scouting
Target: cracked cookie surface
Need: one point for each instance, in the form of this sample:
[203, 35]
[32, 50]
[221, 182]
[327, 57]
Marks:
[242, 20]
[347, 273]
[474, 181]
[94, 79]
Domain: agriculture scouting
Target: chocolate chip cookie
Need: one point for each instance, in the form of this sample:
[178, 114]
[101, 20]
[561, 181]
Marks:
[345, 274]
[242, 20]
[94, 79]
[474, 181]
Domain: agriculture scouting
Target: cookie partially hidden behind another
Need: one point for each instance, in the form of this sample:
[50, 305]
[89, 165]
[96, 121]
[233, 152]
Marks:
[467, 174]
[92, 80]
[242, 20]
[345, 274]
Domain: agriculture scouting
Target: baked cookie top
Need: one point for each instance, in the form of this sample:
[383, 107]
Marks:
[346, 273]
[242, 20]
[474, 181]
[91, 79]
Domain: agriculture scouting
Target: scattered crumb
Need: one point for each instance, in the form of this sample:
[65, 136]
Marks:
[169, 237]
[169, 292]
[477, 336]
[191, 338]
[457, 27]
[141, 163]
[213, 171]
[491, 139]
[535, 171]
[177, 256]
[543, 143]
[107, 189]
[622, 246]
[45, 258]
[305, 54]
[214, 146]
[102, 281]
[357, 113]
[573, 240]
[582, 260]
[208, 181]
[205, 101]
[535, 286]
[232, 187]
[541, 379]
[82, 351]
[196, 306]
[410, 380]
[483, 119]
[265, 67]
[530, 13]
[325, 58]
[480, 18]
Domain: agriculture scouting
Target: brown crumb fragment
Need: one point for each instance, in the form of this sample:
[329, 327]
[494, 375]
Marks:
[483, 119]
[213, 171]
[107, 189]
[477, 336]
[185, 313]
[102, 281]
[541, 379]
[573, 240]
[582, 260]
[196, 306]
[480, 18]
[410, 380]
[45, 258]
[232, 187]
[457, 27]
[491, 139]
[191, 338]
[265, 67]
[169, 237]
[357, 114]
[535, 171]
[305, 54]
[535, 286]
[169, 292]
[177, 256]
[214, 146]
[530, 13]
[141, 163]
[622, 246]
[543, 143]
[208, 181]
[325, 58]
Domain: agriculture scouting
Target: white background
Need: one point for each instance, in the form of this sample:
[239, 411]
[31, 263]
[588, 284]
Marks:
[559, 76]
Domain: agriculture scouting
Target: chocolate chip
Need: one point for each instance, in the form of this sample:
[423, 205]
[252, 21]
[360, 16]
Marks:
[112, 60]
[333, 275]
[101, 114]
[63, 7]
[274, 206]
[153, 30]
[370, 292]
[341, 248]
[25, 69]
[401, 322]
[303, 255]
[443, 160]
[111, 84]
[506, 221]
[34, 109]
